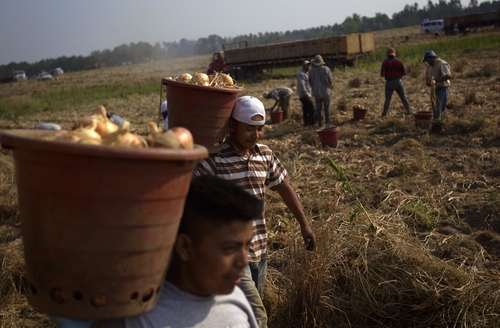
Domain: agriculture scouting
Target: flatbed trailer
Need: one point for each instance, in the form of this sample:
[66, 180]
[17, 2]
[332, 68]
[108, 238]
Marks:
[242, 61]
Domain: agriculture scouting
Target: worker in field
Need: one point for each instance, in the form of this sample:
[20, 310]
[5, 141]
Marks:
[282, 97]
[209, 258]
[252, 165]
[321, 81]
[439, 70]
[393, 69]
[305, 94]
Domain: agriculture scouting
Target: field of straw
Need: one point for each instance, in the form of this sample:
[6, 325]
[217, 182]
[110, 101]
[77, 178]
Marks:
[407, 220]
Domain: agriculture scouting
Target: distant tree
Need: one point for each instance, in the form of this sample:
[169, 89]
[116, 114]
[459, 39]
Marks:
[352, 24]
[473, 3]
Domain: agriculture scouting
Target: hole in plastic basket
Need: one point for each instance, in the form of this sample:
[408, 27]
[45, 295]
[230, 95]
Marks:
[77, 295]
[98, 300]
[57, 295]
[33, 289]
[134, 296]
[148, 294]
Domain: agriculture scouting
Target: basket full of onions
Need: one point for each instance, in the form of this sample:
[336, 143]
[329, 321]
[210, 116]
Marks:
[99, 207]
[202, 104]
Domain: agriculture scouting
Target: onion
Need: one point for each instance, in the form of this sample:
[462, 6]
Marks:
[184, 137]
[184, 77]
[200, 78]
[227, 79]
[124, 138]
[90, 141]
[71, 136]
[104, 125]
[83, 122]
[89, 131]
[52, 135]
[160, 139]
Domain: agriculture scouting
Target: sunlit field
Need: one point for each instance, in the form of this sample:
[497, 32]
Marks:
[407, 220]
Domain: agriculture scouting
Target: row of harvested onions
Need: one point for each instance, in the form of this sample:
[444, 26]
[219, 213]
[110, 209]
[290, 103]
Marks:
[217, 79]
[98, 129]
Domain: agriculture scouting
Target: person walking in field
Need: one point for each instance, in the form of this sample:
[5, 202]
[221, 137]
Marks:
[321, 81]
[393, 70]
[305, 94]
[254, 166]
[438, 71]
[282, 96]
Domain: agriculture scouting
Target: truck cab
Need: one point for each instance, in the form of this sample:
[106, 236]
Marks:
[218, 63]
[19, 76]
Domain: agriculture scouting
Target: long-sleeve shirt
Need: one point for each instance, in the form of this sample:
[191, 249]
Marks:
[392, 69]
[279, 93]
[303, 85]
[321, 80]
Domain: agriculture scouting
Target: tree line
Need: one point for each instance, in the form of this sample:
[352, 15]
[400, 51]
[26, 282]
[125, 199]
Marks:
[143, 52]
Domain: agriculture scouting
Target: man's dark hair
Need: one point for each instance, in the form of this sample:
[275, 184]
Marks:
[212, 202]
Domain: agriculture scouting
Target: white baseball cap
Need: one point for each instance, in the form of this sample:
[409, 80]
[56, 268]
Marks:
[247, 107]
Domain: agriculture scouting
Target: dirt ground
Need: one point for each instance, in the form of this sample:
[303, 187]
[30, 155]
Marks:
[443, 183]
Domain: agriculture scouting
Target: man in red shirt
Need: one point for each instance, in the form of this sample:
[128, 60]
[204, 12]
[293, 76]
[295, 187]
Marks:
[393, 70]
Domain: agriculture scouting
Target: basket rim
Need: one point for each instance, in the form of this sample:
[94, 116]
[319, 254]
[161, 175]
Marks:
[168, 82]
[30, 140]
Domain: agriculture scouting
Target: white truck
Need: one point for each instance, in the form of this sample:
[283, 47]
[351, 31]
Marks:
[19, 76]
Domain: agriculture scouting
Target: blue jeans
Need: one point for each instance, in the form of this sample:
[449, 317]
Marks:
[442, 98]
[252, 284]
[398, 86]
[326, 104]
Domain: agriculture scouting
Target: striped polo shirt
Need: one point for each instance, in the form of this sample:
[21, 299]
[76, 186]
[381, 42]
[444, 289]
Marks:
[252, 173]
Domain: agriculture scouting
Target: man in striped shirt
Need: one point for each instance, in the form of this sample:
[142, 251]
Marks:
[254, 167]
[393, 70]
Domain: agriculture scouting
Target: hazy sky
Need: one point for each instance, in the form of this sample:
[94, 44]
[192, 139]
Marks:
[32, 30]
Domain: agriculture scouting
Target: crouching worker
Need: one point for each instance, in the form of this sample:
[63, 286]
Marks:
[208, 261]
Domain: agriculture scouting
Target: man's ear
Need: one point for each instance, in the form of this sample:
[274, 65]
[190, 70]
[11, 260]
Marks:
[231, 126]
[182, 246]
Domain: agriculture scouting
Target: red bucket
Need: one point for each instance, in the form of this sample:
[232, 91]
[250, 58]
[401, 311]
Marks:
[205, 111]
[276, 116]
[328, 136]
[359, 113]
[97, 222]
[423, 119]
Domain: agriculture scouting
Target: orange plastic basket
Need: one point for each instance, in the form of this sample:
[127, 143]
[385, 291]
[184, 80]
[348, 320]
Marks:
[97, 222]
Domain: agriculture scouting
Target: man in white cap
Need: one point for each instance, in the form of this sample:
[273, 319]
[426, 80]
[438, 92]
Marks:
[255, 167]
[439, 70]
[321, 81]
[305, 95]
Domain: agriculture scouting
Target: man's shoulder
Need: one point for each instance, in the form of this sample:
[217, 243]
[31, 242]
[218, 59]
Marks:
[439, 61]
[262, 148]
